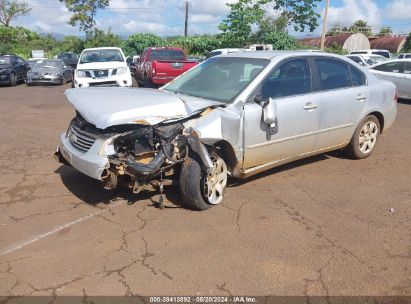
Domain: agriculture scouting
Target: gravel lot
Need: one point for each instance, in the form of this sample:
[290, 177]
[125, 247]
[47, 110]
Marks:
[321, 226]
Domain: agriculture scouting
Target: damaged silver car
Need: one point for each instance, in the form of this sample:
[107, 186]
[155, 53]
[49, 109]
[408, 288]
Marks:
[233, 115]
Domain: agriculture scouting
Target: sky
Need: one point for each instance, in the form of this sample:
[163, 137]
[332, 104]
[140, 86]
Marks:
[166, 17]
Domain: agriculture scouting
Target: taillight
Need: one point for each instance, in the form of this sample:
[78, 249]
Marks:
[153, 67]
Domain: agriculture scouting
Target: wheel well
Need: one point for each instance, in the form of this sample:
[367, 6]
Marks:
[228, 154]
[380, 118]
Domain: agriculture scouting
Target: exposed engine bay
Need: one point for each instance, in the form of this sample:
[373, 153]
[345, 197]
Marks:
[143, 157]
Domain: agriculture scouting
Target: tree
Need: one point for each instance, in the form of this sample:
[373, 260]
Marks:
[84, 12]
[237, 26]
[135, 44]
[385, 31]
[10, 10]
[361, 26]
[99, 38]
[245, 15]
[300, 13]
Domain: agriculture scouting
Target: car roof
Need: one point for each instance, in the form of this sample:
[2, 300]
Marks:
[271, 54]
[102, 48]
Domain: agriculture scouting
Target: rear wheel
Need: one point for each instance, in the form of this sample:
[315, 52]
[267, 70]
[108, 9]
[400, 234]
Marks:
[146, 82]
[365, 138]
[13, 80]
[200, 189]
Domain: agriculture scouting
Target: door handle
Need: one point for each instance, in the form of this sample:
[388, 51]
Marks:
[361, 98]
[309, 106]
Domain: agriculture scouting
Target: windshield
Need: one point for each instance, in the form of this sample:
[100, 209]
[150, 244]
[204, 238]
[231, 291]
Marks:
[4, 60]
[376, 59]
[220, 79]
[103, 55]
[67, 56]
[48, 64]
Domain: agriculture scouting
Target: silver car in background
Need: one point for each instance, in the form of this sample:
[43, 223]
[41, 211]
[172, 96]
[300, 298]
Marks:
[51, 71]
[397, 71]
[232, 115]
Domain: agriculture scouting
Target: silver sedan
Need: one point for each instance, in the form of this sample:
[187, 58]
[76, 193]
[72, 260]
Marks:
[232, 115]
[397, 71]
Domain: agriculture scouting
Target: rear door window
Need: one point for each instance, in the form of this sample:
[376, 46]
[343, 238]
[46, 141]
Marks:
[357, 77]
[333, 74]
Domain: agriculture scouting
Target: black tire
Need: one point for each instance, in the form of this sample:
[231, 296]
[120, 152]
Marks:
[146, 82]
[13, 80]
[63, 81]
[357, 150]
[193, 178]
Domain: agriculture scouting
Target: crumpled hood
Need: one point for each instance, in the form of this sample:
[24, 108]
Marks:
[106, 107]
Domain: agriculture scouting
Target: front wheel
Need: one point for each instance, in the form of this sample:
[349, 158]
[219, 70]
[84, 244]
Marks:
[365, 138]
[200, 189]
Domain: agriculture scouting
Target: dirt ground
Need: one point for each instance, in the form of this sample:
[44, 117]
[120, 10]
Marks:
[327, 225]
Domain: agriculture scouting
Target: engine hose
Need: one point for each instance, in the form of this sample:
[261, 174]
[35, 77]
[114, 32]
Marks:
[146, 170]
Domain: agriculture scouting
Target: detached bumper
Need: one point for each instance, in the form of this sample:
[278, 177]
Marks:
[89, 163]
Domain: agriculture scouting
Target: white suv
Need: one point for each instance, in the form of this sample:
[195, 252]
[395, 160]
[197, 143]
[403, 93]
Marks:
[102, 67]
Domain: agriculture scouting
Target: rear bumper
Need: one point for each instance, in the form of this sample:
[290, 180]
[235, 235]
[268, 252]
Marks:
[161, 79]
[390, 116]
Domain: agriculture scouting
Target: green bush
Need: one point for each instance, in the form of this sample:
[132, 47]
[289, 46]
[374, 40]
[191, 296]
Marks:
[135, 44]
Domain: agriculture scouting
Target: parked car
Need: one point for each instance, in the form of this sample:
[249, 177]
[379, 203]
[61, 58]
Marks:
[399, 72]
[70, 59]
[159, 65]
[367, 60]
[384, 53]
[102, 67]
[232, 115]
[222, 52]
[52, 71]
[12, 69]
[32, 61]
[404, 55]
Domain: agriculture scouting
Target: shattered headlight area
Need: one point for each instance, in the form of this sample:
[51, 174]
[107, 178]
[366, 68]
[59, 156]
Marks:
[146, 156]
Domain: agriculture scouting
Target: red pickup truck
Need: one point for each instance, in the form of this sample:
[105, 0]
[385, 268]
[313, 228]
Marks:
[160, 65]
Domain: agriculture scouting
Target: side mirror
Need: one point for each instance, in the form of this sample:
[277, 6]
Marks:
[270, 111]
[65, 67]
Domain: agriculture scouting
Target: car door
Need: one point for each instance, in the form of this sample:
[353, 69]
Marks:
[342, 98]
[290, 87]
[390, 71]
[404, 83]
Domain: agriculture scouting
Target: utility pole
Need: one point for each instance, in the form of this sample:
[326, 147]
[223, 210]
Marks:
[186, 21]
[327, 4]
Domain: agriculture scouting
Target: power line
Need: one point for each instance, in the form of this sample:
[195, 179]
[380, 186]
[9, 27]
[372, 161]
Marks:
[114, 8]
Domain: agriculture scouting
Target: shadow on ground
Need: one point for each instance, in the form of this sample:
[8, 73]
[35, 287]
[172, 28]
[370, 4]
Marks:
[92, 192]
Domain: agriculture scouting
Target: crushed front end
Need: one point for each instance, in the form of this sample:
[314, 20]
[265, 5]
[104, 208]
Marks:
[140, 156]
